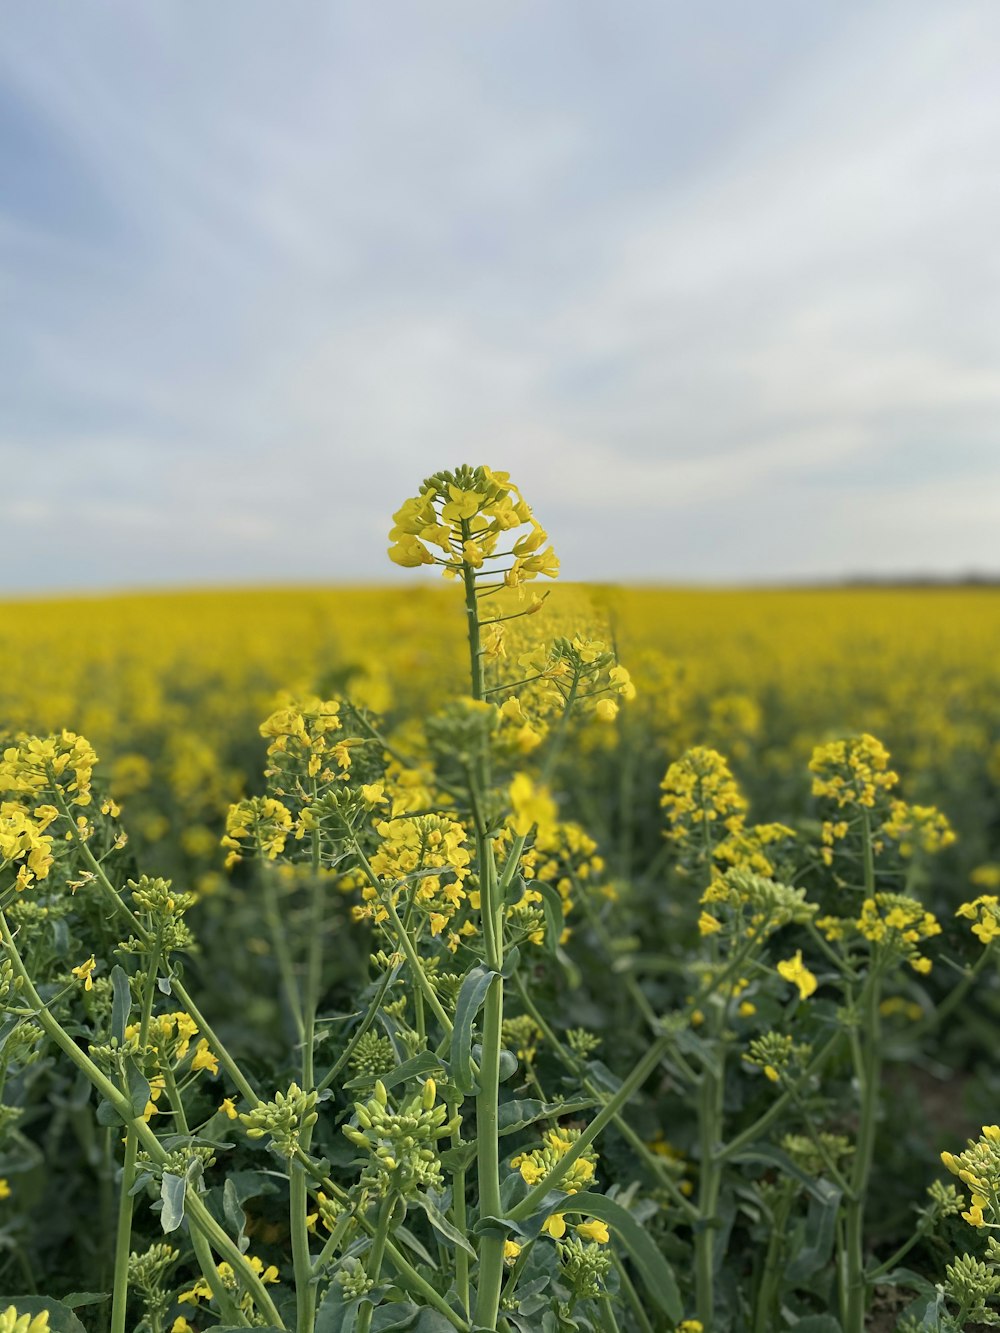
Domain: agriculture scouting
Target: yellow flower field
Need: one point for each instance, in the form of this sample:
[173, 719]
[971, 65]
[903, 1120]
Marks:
[170, 686]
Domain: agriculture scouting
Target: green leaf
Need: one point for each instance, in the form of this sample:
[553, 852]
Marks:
[470, 1001]
[524, 1111]
[234, 1214]
[441, 1224]
[552, 906]
[407, 1238]
[121, 1003]
[107, 1115]
[172, 1193]
[138, 1086]
[459, 1158]
[424, 1063]
[818, 1323]
[820, 1227]
[61, 1317]
[77, 1298]
[656, 1273]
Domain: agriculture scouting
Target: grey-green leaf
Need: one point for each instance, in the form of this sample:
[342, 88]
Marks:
[470, 1001]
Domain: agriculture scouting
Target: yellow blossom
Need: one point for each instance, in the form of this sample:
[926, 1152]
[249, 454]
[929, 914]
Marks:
[795, 971]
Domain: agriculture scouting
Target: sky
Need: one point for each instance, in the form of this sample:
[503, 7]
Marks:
[717, 283]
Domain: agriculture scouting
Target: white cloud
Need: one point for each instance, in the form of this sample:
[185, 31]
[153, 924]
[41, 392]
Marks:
[314, 261]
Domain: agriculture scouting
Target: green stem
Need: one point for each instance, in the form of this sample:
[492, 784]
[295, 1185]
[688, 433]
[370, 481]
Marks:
[458, 1209]
[283, 955]
[770, 1283]
[710, 1096]
[472, 622]
[867, 1068]
[305, 1288]
[491, 1249]
[375, 1257]
[228, 1308]
[123, 1237]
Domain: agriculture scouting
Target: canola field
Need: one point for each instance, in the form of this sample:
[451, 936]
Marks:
[455, 956]
[170, 688]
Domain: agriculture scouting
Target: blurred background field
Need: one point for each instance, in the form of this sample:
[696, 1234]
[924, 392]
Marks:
[170, 688]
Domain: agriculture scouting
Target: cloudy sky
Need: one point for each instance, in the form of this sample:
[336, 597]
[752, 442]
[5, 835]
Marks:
[717, 282]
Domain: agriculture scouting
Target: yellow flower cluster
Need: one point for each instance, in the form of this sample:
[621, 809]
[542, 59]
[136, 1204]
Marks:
[40, 765]
[464, 515]
[748, 848]
[300, 740]
[699, 793]
[918, 828]
[411, 844]
[23, 839]
[852, 772]
[263, 822]
[897, 924]
[984, 913]
[978, 1167]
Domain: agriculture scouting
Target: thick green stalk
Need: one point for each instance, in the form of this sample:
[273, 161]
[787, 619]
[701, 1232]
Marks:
[770, 1282]
[305, 1288]
[375, 1257]
[123, 1236]
[491, 1249]
[710, 1095]
[459, 1216]
[867, 1068]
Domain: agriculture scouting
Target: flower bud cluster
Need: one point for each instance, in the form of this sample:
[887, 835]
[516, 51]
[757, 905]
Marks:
[972, 1284]
[9, 983]
[536, 1164]
[752, 904]
[978, 1167]
[402, 1144]
[12, 1322]
[777, 1053]
[584, 1266]
[373, 1056]
[285, 1119]
[167, 906]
